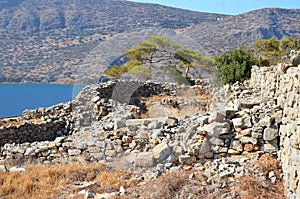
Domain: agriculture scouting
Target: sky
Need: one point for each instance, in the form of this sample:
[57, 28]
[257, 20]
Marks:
[232, 7]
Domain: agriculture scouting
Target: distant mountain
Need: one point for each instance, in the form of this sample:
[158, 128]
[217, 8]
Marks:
[59, 41]
[107, 16]
[244, 29]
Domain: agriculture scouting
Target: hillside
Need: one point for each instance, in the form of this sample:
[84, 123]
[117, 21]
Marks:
[245, 29]
[63, 42]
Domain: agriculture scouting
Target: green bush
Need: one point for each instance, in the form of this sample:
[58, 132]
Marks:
[235, 65]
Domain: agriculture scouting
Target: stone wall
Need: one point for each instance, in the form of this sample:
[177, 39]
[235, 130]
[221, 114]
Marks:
[285, 89]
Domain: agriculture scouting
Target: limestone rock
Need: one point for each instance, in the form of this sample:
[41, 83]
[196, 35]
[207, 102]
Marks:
[271, 133]
[144, 159]
[161, 152]
[186, 159]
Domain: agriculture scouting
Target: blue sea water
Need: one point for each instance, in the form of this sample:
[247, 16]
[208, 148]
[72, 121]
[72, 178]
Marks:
[15, 98]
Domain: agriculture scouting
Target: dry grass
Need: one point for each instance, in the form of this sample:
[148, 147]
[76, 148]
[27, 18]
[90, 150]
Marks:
[17, 121]
[156, 109]
[41, 181]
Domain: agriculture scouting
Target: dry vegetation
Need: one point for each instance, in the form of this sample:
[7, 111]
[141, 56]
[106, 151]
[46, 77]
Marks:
[155, 107]
[42, 181]
[63, 181]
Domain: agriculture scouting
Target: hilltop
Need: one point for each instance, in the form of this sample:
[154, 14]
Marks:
[61, 41]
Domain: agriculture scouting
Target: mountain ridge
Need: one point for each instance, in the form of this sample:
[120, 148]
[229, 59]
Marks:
[53, 41]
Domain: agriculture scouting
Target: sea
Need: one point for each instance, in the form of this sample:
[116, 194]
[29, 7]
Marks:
[15, 98]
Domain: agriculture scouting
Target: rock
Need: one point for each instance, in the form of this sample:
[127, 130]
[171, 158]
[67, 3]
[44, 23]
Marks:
[3, 168]
[161, 152]
[59, 140]
[230, 113]
[251, 147]
[30, 152]
[74, 152]
[89, 194]
[216, 129]
[226, 170]
[122, 190]
[272, 177]
[266, 121]
[236, 145]
[218, 149]
[171, 122]
[216, 117]
[235, 159]
[244, 122]
[271, 133]
[156, 133]
[270, 148]
[16, 169]
[200, 148]
[144, 159]
[203, 120]
[242, 104]
[216, 141]
[246, 132]
[186, 159]
[134, 122]
[105, 196]
[95, 99]
[294, 58]
[119, 123]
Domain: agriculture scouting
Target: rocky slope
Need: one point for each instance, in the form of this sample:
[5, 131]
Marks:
[58, 41]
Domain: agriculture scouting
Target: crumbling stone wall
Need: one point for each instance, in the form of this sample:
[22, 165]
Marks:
[285, 89]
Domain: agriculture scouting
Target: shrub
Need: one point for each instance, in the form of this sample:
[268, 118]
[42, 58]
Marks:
[235, 65]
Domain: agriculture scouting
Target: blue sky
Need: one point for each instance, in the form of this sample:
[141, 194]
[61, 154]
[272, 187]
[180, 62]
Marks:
[232, 7]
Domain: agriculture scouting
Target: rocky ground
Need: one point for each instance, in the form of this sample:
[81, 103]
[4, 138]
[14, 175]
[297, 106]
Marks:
[224, 149]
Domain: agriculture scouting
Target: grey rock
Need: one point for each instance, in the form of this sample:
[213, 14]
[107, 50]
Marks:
[271, 133]
[171, 122]
[16, 169]
[203, 120]
[266, 121]
[3, 168]
[144, 159]
[74, 152]
[156, 133]
[216, 117]
[130, 158]
[270, 148]
[216, 141]
[186, 159]
[161, 152]
[119, 123]
[241, 104]
[216, 129]
[236, 145]
[230, 113]
[244, 122]
[30, 152]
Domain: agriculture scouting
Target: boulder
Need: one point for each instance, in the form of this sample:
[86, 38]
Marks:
[243, 123]
[271, 133]
[186, 159]
[161, 152]
[144, 159]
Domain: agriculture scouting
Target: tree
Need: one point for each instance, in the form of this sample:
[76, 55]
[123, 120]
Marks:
[235, 65]
[159, 53]
[271, 51]
[188, 58]
[268, 49]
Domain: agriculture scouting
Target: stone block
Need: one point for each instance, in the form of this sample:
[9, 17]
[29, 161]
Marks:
[243, 123]
[186, 159]
[145, 159]
[161, 152]
[271, 133]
